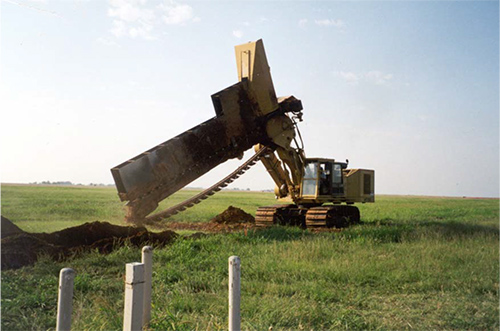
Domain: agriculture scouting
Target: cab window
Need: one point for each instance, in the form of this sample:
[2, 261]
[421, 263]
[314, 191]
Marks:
[309, 183]
[337, 174]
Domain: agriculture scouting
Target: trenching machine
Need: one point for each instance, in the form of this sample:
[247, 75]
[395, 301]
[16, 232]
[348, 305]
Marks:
[320, 191]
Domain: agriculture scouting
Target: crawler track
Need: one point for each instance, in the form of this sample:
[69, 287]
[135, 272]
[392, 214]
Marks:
[280, 214]
[209, 191]
[337, 216]
[266, 216]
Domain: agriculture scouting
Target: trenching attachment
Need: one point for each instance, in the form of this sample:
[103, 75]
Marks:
[208, 192]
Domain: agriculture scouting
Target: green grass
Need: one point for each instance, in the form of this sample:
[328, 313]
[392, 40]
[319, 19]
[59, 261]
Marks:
[414, 263]
[52, 208]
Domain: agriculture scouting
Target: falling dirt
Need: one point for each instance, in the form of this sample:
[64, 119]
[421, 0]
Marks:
[21, 248]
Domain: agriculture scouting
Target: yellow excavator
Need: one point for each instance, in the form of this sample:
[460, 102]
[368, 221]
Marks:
[320, 191]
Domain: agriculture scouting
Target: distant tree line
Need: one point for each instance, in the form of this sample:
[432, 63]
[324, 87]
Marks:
[68, 183]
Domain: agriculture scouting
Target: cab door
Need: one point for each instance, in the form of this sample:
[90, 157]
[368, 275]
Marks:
[310, 181]
[336, 179]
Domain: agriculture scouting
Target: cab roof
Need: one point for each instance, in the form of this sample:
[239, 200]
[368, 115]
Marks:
[320, 159]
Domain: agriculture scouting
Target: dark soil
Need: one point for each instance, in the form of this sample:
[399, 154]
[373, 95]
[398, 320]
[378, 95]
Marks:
[88, 234]
[233, 215]
[9, 228]
[21, 248]
[206, 226]
[231, 219]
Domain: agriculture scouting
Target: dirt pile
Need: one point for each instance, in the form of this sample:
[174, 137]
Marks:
[233, 215]
[21, 248]
[231, 219]
[9, 228]
[88, 234]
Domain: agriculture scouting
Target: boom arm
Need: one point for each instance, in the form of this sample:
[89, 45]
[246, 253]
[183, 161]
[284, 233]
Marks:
[287, 170]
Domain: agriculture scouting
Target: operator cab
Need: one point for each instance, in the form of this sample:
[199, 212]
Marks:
[323, 177]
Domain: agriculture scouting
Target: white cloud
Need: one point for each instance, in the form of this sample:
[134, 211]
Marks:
[303, 22]
[378, 77]
[119, 28]
[142, 31]
[130, 11]
[140, 19]
[178, 14]
[350, 77]
[330, 22]
[132, 18]
[238, 33]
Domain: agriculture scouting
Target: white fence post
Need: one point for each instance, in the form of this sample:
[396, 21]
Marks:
[234, 293]
[147, 260]
[65, 299]
[134, 296]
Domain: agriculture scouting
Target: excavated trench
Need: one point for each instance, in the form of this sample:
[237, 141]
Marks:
[20, 248]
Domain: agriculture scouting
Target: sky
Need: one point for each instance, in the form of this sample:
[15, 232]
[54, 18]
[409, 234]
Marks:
[409, 89]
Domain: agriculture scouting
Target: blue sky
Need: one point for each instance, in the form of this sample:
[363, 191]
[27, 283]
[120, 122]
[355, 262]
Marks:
[410, 89]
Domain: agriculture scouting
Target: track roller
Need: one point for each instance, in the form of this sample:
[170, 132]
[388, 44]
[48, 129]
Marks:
[337, 216]
[280, 214]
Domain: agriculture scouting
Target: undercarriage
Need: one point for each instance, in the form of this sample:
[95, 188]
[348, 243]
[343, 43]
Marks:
[329, 216]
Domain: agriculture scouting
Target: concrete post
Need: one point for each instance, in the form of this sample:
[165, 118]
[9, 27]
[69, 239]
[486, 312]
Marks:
[134, 296]
[234, 293]
[65, 299]
[147, 260]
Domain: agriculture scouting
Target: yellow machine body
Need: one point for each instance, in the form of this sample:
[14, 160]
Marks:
[326, 180]
[251, 62]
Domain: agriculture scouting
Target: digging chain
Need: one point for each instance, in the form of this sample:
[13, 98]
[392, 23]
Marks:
[209, 191]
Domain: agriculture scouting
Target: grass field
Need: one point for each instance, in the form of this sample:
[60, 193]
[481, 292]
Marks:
[52, 208]
[414, 263]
